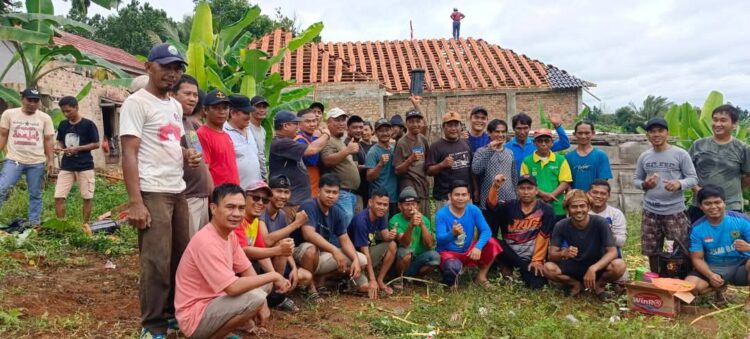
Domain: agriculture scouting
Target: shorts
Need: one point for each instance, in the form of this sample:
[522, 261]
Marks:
[732, 274]
[86, 183]
[224, 308]
[489, 252]
[656, 227]
[377, 253]
[327, 264]
[576, 270]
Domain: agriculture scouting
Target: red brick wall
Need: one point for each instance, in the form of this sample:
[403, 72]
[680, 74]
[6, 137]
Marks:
[360, 98]
[564, 102]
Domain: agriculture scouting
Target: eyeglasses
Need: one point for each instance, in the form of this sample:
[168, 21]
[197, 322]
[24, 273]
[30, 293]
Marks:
[257, 198]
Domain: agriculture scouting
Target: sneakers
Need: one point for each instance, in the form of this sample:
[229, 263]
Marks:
[146, 334]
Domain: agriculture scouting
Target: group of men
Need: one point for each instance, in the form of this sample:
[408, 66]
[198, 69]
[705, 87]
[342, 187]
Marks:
[223, 238]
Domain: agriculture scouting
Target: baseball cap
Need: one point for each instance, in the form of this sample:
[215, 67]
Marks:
[413, 114]
[280, 181]
[257, 100]
[336, 112]
[451, 116]
[656, 122]
[526, 179]
[215, 97]
[542, 132]
[478, 109]
[283, 117]
[408, 194]
[318, 105]
[241, 103]
[165, 54]
[397, 120]
[258, 185]
[31, 93]
[382, 122]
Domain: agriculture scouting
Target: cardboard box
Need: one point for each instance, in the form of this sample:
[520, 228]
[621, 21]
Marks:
[646, 298]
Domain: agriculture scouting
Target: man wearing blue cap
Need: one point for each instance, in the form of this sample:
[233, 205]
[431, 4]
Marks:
[152, 159]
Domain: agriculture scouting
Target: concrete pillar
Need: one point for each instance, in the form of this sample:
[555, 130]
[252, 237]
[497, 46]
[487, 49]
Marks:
[579, 101]
[510, 102]
[440, 108]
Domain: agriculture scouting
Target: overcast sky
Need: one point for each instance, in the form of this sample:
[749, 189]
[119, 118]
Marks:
[678, 49]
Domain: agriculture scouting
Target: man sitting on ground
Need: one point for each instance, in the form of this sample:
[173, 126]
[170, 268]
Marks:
[457, 224]
[525, 225]
[590, 258]
[416, 237]
[211, 301]
[371, 236]
[719, 245]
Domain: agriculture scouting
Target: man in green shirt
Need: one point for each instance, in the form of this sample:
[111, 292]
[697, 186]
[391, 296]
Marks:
[550, 170]
[416, 237]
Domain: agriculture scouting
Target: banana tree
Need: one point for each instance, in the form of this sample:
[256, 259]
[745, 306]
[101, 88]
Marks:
[686, 124]
[30, 36]
[222, 61]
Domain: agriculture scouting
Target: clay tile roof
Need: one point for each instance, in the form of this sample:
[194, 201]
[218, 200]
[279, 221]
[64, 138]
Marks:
[112, 54]
[451, 65]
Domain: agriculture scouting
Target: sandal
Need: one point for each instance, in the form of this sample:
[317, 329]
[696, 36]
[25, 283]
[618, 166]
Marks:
[604, 296]
[484, 283]
[316, 298]
[288, 306]
[324, 291]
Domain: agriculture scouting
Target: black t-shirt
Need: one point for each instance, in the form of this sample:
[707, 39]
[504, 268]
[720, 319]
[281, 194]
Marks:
[72, 135]
[285, 158]
[461, 169]
[591, 241]
[330, 226]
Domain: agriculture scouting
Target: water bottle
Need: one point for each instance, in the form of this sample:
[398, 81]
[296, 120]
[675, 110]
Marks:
[461, 238]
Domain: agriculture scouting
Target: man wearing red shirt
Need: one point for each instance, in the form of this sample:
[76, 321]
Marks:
[456, 16]
[218, 150]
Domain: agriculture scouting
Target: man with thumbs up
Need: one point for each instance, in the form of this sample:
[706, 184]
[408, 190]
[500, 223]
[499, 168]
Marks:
[416, 237]
[448, 159]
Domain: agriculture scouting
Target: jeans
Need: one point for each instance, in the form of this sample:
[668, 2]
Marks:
[427, 258]
[347, 202]
[456, 29]
[10, 174]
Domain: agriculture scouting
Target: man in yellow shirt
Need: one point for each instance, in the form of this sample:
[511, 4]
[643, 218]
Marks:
[550, 170]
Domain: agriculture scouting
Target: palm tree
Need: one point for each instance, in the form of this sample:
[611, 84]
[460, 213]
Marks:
[652, 107]
[82, 6]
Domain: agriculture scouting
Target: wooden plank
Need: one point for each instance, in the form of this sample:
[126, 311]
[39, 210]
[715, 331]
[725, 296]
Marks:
[465, 71]
[314, 63]
[501, 56]
[469, 55]
[402, 61]
[435, 68]
[350, 58]
[481, 56]
[339, 65]
[275, 49]
[373, 66]
[394, 66]
[325, 58]
[516, 67]
[382, 67]
[300, 60]
[530, 70]
[454, 73]
[492, 60]
[361, 60]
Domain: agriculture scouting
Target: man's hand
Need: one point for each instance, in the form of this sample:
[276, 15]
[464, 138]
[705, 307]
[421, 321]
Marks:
[499, 180]
[384, 159]
[372, 289]
[293, 278]
[352, 148]
[138, 216]
[741, 245]
[650, 181]
[193, 157]
[457, 229]
[696, 188]
[589, 279]
[50, 167]
[672, 185]
[464, 134]
[416, 219]
[448, 161]
[536, 267]
[282, 285]
[475, 254]
[547, 197]
[302, 217]
[390, 235]
[572, 252]
[415, 100]
[495, 144]
[355, 270]
[340, 260]
[716, 280]
[286, 246]
[72, 150]
[555, 119]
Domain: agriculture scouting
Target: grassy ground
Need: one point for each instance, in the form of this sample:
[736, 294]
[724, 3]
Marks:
[58, 265]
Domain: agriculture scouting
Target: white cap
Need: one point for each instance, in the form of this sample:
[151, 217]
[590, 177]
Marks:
[336, 112]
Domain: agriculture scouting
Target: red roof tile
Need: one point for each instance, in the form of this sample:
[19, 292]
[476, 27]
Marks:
[450, 65]
[109, 53]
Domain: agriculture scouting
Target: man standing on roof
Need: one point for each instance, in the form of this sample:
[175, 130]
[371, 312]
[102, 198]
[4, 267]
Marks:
[456, 16]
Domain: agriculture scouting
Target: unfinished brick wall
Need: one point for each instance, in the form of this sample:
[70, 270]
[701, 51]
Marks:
[564, 102]
[360, 98]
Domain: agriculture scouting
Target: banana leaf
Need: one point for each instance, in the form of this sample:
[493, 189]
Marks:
[715, 99]
[54, 19]
[10, 95]
[230, 33]
[24, 36]
[196, 67]
[84, 91]
[295, 94]
[248, 86]
[214, 80]
[122, 82]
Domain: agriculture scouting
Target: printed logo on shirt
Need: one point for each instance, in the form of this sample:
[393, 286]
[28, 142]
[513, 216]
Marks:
[26, 134]
[582, 167]
[708, 239]
[660, 165]
[735, 234]
[460, 160]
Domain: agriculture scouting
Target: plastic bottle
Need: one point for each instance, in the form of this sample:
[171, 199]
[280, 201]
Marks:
[461, 238]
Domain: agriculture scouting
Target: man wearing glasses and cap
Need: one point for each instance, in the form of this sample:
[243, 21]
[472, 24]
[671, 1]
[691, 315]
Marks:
[152, 159]
[27, 137]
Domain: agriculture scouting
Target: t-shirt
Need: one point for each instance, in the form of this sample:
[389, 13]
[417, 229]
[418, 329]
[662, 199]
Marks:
[549, 173]
[346, 169]
[592, 241]
[456, 16]
[330, 226]
[285, 158]
[311, 161]
[364, 231]
[585, 169]
[476, 142]
[26, 135]
[461, 169]
[198, 179]
[259, 133]
[474, 227]
[617, 223]
[415, 176]
[717, 241]
[526, 234]
[218, 152]
[359, 159]
[73, 135]
[158, 123]
[246, 152]
[520, 151]
[209, 264]
[276, 224]
[488, 163]
[722, 165]
[401, 224]
[671, 164]
[249, 234]
[386, 179]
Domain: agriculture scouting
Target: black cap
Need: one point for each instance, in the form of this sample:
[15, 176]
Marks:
[257, 100]
[478, 109]
[283, 117]
[241, 103]
[656, 122]
[382, 122]
[413, 114]
[215, 97]
[31, 93]
[396, 120]
[280, 181]
[526, 179]
[318, 105]
[165, 54]
[408, 194]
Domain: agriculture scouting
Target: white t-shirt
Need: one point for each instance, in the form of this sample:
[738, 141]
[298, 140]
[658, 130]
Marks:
[26, 135]
[617, 224]
[158, 124]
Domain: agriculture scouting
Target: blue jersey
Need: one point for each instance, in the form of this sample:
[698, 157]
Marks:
[717, 242]
[586, 169]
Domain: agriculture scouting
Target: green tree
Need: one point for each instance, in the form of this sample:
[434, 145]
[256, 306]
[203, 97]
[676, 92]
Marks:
[82, 6]
[652, 107]
[627, 118]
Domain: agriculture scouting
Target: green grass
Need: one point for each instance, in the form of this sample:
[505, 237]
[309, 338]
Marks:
[510, 310]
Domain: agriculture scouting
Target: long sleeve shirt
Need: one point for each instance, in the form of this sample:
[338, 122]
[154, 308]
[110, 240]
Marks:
[671, 164]
[473, 223]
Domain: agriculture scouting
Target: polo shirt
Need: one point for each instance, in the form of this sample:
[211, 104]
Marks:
[246, 152]
[521, 152]
[549, 174]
